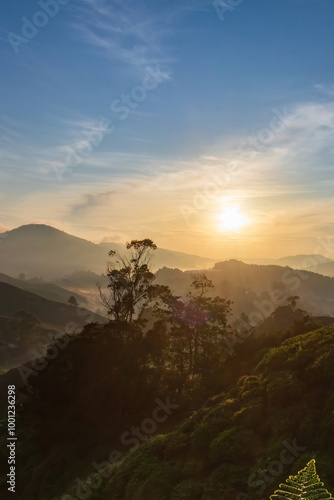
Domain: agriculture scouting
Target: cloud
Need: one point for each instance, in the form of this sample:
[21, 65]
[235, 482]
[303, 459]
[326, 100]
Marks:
[130, 34]
[328, 90]
[282, 188]
[114, 238]
[88, 202]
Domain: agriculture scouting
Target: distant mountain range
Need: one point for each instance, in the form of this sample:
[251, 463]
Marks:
[308, 262]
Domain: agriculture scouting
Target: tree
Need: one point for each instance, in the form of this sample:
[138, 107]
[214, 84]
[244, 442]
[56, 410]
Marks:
[130, 289]
[27, 329]
[292, 300]
[198, 327]
[73, 301]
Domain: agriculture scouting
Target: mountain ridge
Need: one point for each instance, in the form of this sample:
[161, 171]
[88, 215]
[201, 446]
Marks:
[83, 254]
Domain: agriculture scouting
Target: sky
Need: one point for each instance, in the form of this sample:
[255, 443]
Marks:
[163, 119]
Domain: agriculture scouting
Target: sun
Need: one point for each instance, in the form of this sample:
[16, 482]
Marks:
[232, 219]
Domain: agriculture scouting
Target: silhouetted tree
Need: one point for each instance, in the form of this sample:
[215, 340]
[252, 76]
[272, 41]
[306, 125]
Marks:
[73, 301]
[130, 289]
[293, 300]
[197, 326]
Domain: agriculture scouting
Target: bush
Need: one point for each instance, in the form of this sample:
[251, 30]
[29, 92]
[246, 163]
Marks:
[232, 445]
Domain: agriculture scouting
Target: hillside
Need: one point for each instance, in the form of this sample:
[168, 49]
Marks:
[284, 403]
[205, 449]
[59, 315]
[258, 290]
[306, 262]
[22, 338]
[287, 321]
[40, 250]
[326, 269]
[48, 291]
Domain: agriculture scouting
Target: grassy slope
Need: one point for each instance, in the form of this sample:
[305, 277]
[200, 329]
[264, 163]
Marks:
[211, 455]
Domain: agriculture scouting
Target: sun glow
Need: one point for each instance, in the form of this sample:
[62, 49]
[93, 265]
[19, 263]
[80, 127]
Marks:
[232, 219]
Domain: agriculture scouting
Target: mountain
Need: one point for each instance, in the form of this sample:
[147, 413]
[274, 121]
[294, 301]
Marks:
[307, 262]
[170, 258]
[326, 269]
[48, 291]
[58, 315]
[40, 250]
[258, 290]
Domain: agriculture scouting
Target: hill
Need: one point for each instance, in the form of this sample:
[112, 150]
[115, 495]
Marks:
[40, 250]
[245, 440]
[257, 290]
[271, 399]
[59, 315]
[48, 291]
[22, 338]
[307, 262]
[287, 321]
[326, 269]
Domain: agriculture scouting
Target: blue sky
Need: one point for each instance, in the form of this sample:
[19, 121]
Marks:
[152, 170]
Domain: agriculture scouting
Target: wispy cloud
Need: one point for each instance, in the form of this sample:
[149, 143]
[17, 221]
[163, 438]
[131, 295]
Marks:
[124, 32]
[90, 201]
[139, 194]
[328, 90]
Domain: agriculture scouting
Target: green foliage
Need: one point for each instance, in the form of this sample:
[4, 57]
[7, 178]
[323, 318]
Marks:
[232, 445]
[186, 490]
[306, 485]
